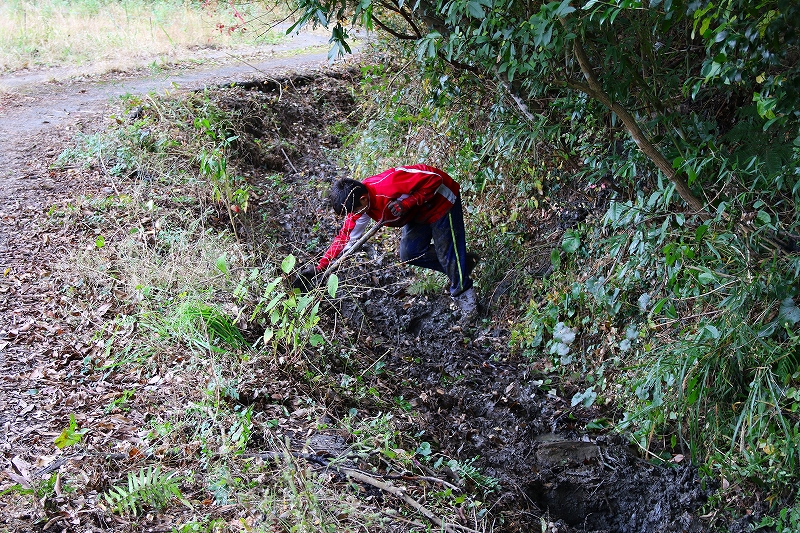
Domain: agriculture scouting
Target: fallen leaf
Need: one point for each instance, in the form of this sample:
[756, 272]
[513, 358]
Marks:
[102, 310]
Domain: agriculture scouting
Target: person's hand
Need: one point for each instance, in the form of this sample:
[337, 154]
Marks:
[306, 279]
[308, 271]
[396, 208]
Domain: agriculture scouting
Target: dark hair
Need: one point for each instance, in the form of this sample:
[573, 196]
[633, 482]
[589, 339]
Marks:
[346, 194]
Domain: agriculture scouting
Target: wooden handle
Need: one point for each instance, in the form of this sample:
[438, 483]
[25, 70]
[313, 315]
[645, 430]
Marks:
[353, 249]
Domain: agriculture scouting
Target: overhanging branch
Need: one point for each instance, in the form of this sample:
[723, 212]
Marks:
[594, 89]
[393, 33]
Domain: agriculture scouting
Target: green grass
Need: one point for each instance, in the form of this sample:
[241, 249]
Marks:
[105, 35]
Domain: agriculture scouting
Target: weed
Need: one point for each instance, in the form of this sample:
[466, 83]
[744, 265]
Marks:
[70, 435]
[427, 282]
[148, 488]
[121, 402]
[201, 526]
[204, 326]
[786, 521]
[468, 470]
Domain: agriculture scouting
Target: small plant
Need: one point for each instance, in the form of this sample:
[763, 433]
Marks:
[427, 282]
[120, 402]
[787, 521]
[147, 488]
[70, 435]
[205, 326]
[287, 316]
[467, 469]
[242, 428]
[201, 526]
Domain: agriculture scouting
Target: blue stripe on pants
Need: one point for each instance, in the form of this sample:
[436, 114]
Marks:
[449, 250]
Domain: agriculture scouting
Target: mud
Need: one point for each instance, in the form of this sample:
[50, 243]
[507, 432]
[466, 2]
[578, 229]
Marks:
[478, 401]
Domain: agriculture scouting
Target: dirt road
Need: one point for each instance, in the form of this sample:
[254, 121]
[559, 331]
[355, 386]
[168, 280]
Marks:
[39, 108]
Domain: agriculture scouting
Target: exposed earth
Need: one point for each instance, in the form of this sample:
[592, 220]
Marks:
[473, 397]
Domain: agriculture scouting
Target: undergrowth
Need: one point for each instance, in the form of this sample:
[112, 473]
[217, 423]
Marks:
[230, 366]
[685, 325]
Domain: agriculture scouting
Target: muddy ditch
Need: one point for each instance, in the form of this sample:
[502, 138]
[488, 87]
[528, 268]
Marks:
[476, 401]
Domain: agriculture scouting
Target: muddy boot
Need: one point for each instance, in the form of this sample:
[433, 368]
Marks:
[467, 302]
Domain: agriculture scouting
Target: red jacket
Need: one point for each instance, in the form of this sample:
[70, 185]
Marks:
[427, 194]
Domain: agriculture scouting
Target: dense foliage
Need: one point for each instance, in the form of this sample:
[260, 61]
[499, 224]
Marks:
[683, 293]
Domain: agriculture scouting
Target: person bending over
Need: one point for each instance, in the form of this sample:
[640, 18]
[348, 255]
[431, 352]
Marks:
[425, 202]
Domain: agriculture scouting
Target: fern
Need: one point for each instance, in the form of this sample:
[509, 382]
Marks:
[149, 488]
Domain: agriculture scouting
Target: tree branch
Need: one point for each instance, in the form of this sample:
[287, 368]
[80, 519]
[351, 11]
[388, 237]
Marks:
[390, 31]
[407, 16]
[595, 90]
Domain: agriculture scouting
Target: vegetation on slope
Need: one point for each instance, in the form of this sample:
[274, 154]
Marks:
[681, 288]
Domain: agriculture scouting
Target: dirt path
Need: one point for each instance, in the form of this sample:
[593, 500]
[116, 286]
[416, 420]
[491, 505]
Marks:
[41, 107]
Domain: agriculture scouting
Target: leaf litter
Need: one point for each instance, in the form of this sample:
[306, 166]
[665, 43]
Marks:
[397, 420]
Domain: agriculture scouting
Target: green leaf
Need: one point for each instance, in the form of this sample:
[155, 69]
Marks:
[222, 264]
[288, 263]
[571, 242]
[70, 435]
[712, 331]
[424, 449]
[700, 232]
[564, 9]
[475, 10]
[316, 340]
[692, 391]
[706, 278]
[100, 241]
[657, 308]
[333, 285]
[586, 398]
[555, 258]
[598, 424]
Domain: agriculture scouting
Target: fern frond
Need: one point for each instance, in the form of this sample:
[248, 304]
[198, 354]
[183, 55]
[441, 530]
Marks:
[147, 488]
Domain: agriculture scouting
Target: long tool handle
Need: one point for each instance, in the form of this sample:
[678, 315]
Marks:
[353, 249]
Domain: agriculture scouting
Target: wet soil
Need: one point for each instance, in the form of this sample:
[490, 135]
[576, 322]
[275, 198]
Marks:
[479, 401]
[475, 399]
